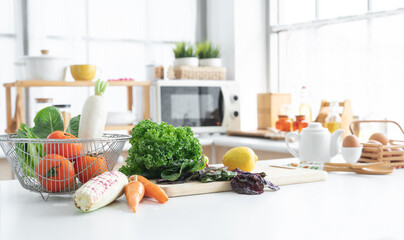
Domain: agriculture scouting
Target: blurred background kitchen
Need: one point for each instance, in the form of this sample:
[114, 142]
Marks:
[338, 50]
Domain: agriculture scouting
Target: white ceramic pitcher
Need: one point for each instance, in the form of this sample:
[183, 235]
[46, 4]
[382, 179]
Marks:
[316, 144]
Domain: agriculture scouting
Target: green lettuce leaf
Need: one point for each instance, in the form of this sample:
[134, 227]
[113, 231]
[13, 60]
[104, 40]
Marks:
[47, 121]
[29, 154]
[73, 127]
[187, 166]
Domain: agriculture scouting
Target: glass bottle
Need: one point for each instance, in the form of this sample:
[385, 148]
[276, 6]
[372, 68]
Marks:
[304, 108]
[286, 110]
[300, 123]
[333, 120]
[284, 123]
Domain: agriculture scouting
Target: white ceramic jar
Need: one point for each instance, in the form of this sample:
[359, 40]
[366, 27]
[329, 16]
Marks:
[187, 61]
[210, 62]
[43, 67]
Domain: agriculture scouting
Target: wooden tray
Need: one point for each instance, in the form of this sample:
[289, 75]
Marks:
[259, 133]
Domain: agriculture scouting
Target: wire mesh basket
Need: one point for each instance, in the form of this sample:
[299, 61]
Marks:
[60, 166]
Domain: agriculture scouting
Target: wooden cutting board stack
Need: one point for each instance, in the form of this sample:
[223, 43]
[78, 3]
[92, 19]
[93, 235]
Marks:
[277, 175]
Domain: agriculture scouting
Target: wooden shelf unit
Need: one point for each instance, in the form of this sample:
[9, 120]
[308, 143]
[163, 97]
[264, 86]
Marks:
[14, 122]
[119, 127]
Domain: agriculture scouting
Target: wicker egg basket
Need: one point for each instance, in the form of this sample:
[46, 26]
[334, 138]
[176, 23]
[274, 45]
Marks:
[392, 154]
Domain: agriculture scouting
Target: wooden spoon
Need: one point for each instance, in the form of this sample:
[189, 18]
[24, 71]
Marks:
[361, 168]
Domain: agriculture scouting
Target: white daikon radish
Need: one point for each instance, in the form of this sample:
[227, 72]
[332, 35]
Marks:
[94, 113]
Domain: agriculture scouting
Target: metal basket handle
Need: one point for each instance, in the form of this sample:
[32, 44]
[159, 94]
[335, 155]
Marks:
[373, 121]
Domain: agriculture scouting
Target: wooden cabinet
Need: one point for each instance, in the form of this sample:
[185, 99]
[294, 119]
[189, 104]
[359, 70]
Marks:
[13, 122]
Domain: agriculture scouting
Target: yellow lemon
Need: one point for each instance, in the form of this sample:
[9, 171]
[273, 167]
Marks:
[242, 158]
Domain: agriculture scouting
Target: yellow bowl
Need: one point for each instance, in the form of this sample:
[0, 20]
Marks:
[83, 72]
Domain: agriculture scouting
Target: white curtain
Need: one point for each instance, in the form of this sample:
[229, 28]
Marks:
[359, 60]
[9, 50]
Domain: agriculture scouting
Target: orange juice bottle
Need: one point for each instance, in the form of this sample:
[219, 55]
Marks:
[333, 120]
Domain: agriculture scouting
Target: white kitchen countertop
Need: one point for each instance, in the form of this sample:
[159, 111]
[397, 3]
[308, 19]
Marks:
[346, 206]
[263, 144]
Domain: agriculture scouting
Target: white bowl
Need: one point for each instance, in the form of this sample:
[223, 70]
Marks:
[351, 154]
[120, 118]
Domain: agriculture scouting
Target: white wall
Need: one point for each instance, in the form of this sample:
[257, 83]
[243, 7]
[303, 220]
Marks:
[240, 28]
[220, 30]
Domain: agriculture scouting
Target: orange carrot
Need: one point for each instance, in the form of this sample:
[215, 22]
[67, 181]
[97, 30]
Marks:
[134, 192]
[151, 189]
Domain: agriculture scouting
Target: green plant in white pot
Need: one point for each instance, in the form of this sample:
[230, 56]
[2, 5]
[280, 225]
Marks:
[208, 54]
[185, 55]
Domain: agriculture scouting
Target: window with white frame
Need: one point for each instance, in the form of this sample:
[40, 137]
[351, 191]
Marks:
[121, 37]
[340, 50]
[8, 50]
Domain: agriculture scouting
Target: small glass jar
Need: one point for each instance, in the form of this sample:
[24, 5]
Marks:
[300, 123]
[41, 103]
[284, 123]
[65, 110]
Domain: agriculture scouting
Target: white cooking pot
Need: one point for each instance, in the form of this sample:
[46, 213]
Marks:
[42, 67]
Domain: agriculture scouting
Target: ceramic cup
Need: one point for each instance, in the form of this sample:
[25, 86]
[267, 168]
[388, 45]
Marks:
[83, 72]
[351, 154]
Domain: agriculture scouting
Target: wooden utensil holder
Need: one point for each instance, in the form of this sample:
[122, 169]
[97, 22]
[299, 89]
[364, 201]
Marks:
[392, 155]
[268, 108]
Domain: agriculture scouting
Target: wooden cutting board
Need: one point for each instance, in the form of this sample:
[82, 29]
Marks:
[277, 175]
[258, 133]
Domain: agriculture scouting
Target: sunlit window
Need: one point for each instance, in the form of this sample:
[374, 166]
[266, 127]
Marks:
[121, 37]
[340, 50]
[8, 51]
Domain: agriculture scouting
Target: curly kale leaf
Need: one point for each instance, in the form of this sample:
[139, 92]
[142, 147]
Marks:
[158, 148]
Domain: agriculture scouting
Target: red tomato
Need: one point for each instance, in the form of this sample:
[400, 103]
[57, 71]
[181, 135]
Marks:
[89, 166]
[67, 150]
[55, 172]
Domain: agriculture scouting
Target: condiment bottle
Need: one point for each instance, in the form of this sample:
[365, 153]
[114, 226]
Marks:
[304, 108]
[300, 123]
[333, 120]
[284, 123]
[65, 110]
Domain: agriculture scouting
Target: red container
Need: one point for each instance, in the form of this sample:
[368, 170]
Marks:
[300, 123]
[284, 123]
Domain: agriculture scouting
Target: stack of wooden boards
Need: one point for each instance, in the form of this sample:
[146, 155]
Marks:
[392, 155]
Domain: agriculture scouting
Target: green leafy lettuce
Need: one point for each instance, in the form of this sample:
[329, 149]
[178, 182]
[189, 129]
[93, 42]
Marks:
[46, 121]
[163, 151]
[73, 127]
[29, 154]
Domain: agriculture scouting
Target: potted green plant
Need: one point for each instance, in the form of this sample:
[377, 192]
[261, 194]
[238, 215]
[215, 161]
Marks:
[208, 54]
[185, 55]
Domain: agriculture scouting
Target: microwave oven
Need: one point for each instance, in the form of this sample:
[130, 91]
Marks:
[207, 106]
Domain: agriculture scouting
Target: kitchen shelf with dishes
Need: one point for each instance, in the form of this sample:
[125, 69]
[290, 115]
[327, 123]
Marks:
[13, 122]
